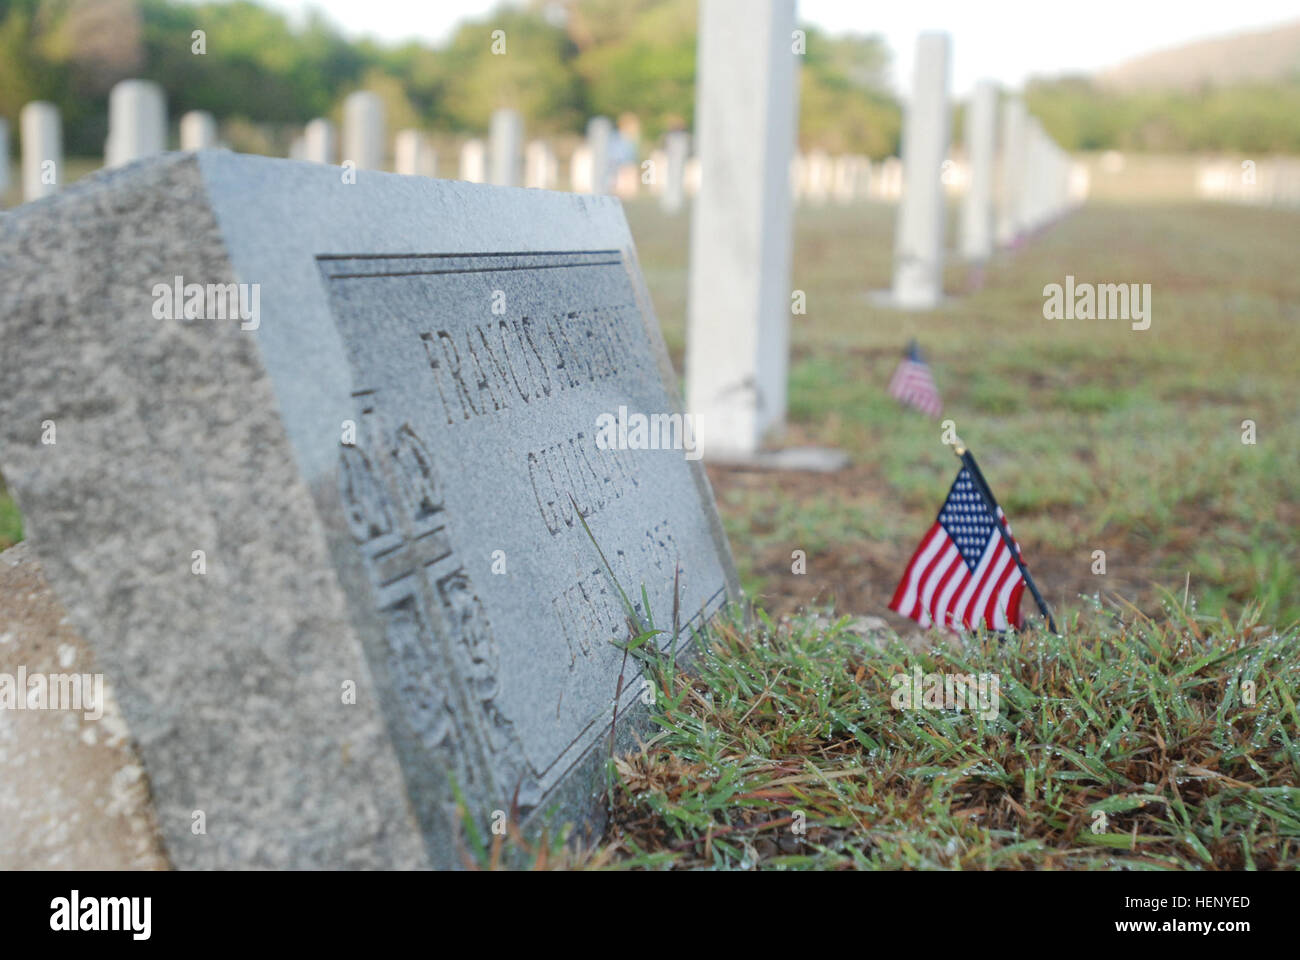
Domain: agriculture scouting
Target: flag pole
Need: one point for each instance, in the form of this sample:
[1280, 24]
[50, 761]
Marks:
[982, 485]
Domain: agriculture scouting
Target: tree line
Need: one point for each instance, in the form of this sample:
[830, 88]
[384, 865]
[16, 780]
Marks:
[558, 63]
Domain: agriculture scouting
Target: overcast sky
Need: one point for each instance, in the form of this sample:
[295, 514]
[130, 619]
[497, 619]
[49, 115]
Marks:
[1007, 40]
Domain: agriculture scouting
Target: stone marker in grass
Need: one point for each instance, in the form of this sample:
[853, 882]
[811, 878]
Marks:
[308, 461]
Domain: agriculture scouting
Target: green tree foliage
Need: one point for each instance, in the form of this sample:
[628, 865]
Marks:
[1251, 118]
[565, 60]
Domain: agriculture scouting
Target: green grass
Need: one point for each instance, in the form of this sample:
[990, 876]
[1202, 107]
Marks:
[1145, 720]
[1131, 742]
[1094, 436]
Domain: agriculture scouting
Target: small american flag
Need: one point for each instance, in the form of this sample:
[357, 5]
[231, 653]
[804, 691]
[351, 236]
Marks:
[963, 574]
[912, 384]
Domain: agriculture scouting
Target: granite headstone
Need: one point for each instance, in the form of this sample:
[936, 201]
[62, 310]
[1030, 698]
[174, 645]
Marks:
[322, 522]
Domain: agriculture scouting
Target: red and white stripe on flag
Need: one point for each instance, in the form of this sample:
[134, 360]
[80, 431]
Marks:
[913, 385]
[940, 587]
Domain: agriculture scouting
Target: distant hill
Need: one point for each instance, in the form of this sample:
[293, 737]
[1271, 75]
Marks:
[1264, 56]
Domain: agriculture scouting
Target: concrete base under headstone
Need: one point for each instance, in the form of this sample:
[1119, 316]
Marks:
[73, 792]
[794, 459]
[888, 301]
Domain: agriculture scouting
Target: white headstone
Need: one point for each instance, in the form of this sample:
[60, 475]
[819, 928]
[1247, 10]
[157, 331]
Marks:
[677, 147]
[42, 134]
[852, 175]
[506, 133]
[981, 152]
[599, 133]
[320, 142]
[137, 122]
[413, 154]
[540, 169]
[4, 158]
[798, 176]
[580, 170]
[820, 173]
[473, 162]
[364, 138]
[198, 130]
[627, 180]
[693, 176]
[737, 337]
[918, 240]
[1010, 183]
[1034, 177]
[889, 185]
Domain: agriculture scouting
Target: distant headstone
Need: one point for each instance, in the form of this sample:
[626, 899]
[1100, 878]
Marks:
[627, 180]
[820, 172]
[1010, 221]
[918, 238]
[677, 147]
[506, 134]
[738, 313]
[137, 122]
[413, 154]
[852, 178]
[364, 136]
[981, 151]
[333, 462]
[473, 162]
[4, 158]
[198, 130]
[888, 186]
[320, 142]
[540, 169]
[600, 133]
[42, 134]
[580, 176]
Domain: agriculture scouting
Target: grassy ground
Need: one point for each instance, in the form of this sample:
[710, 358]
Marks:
[1094, 436]
[1130, 743]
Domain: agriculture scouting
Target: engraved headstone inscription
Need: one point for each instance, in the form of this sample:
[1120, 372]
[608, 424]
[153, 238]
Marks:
[331, 456]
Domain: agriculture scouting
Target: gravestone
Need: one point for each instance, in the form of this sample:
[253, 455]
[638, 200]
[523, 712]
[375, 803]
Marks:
[738, 312]
[1010, 183]
[600, 134]
[4, 158]
[506, 132]
[414, 155]
[364, 138]
[820, 173]
[473, 162]
[320, 142]
[383, 460]
[198, 130]
[918, 238]
[981, 152]
[540, 169]
[677, 147]
[42, 134]
[137, 122]
[580, 179]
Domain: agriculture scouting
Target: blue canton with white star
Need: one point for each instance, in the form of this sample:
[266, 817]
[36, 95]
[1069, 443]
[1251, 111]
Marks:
[967, 520]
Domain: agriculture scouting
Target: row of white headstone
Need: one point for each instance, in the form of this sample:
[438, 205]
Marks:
[1270, 182]
[740, 297]
[138, 128]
